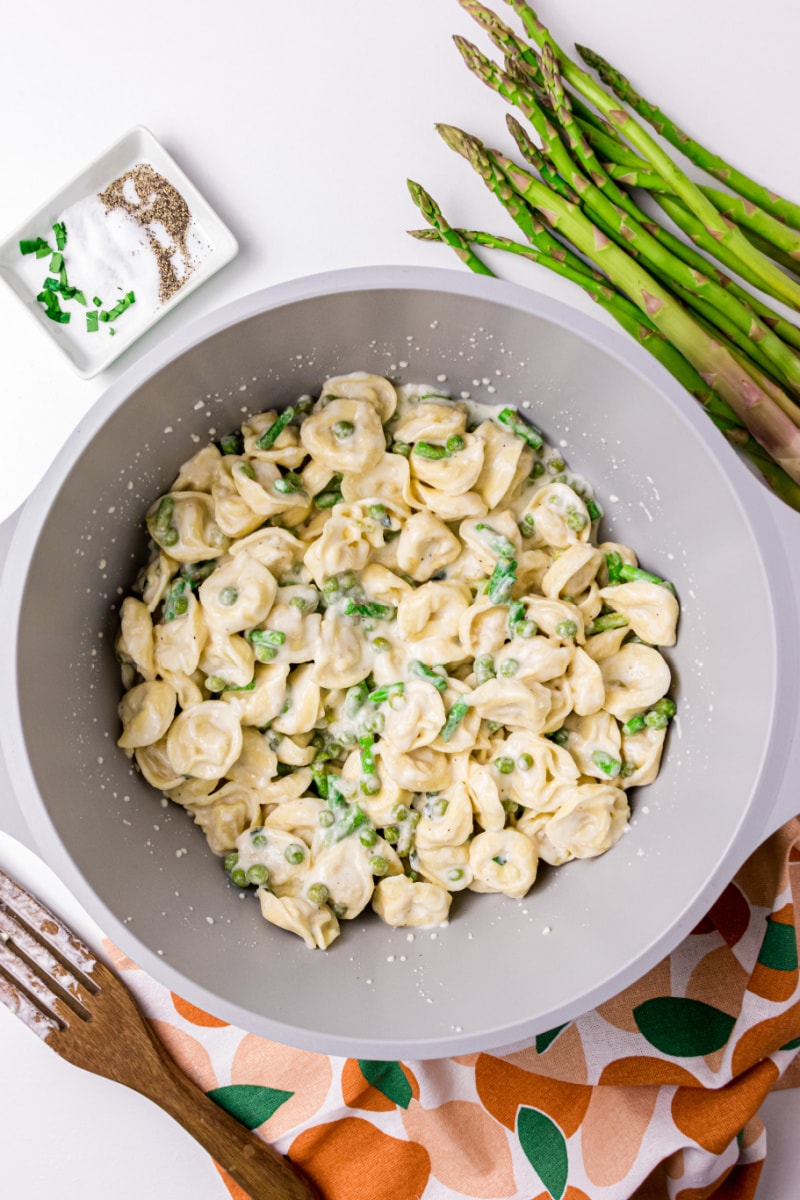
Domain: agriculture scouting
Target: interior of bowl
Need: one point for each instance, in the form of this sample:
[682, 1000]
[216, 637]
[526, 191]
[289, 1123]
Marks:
[502, 968]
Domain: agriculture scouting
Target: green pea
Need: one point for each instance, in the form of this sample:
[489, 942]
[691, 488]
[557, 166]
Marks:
[290, 482]
[348, 580]
[231, 444]
[666, 707]
[343, 429]
[391, 834]
[484, 668]
[257, 874]
[504, 765]
[509, 666]
[608, 765]
[455, 443]
[526, 629]
[510, 806]
[656, 720]
[231, 860]
[265, 654]
[376, 511]
[368, 837]
[215, 683]
[181, 606]
[370, 785]
[330, 586]
[375, 723]
[576, 520]
[454, 874]
[525, 762]
[328, 499]
[400, 812]
[381, 645]
[440, 806]
[401, 448]
[300, 603]
[326, 818]
[228, 596]
[258, 838]
[238, 877]
[317, 893]
[538, 470]
[527, 526]
[378, 865]
[556, 465]
[566, 629]
[164, 512]
[294, 854]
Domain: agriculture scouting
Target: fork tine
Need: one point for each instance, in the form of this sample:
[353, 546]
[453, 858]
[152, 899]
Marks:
[41, 924]
[64, 982]
[30, 997]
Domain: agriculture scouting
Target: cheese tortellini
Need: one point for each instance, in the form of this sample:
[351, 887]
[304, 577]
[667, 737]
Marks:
[379, 657]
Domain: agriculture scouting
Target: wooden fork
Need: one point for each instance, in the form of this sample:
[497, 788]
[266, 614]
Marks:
[53, 983]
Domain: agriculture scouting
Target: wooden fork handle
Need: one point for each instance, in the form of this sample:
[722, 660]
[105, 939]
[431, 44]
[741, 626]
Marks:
[254, 1165]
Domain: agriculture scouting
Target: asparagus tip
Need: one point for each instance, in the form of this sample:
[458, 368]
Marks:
[456, 138]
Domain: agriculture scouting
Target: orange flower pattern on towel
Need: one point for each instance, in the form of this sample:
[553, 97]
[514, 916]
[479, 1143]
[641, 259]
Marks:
[651, 1096]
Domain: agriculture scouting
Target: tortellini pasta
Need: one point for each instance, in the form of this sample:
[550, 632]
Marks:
[380, 658]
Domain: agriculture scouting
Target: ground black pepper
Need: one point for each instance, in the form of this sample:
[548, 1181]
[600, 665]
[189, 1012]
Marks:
[158, 202]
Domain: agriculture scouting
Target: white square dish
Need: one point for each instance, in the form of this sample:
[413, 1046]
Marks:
[92, 352]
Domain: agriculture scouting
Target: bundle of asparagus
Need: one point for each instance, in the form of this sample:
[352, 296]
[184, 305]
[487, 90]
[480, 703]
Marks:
[576, 201]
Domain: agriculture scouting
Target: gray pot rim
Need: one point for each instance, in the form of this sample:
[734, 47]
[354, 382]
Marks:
[751, 496]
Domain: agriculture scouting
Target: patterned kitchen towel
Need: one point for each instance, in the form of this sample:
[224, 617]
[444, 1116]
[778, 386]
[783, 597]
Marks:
[653, 1095]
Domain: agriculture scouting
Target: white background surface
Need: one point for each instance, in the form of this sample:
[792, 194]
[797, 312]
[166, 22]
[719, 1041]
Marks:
[300, 123]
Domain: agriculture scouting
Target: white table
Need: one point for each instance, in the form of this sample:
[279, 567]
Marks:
[300, 123]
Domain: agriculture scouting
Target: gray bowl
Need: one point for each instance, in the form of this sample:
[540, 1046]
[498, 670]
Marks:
[502, 970]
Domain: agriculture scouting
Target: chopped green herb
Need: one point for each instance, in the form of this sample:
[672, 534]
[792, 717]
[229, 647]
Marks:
[380, 612]
[52, 307]
[37, 246]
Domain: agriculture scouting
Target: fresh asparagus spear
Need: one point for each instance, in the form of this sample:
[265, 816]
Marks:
[773, 279]
[645, 332]
[602, 199]
[533, 155]
[462, 249]
[784, 210]
[685, 220]
[778, 241]
[507, 41]
[754, 407]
